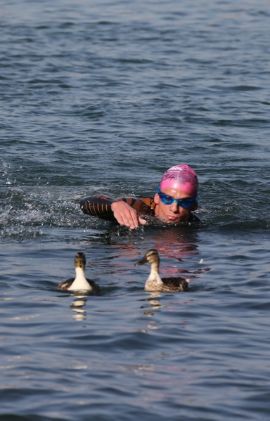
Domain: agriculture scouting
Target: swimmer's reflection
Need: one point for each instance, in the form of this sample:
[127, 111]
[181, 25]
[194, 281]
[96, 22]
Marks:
[171, 276]
[173, 241]
[176, 243]
[178, 248]
[78, 307]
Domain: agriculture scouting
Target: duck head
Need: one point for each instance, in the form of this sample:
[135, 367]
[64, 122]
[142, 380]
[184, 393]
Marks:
[80, 260]
[151, 257]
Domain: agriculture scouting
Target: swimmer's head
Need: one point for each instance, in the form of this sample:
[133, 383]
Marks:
[180, 177]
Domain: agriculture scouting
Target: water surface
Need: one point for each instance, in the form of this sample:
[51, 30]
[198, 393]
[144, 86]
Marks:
[103, 98]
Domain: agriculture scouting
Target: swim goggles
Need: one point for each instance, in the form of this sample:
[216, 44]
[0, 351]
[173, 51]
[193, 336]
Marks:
[183, 203]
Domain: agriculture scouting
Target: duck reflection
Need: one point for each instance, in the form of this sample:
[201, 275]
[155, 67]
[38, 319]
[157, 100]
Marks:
[78, 307]
[152, 303]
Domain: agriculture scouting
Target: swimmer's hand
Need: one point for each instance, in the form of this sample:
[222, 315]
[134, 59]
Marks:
[126, 215]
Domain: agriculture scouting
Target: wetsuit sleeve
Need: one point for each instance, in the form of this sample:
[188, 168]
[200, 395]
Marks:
[143, 205]
[97, 206]
[101, 206]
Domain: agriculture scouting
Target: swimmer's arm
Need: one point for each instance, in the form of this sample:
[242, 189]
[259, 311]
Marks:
[98, 206]
[125, 211]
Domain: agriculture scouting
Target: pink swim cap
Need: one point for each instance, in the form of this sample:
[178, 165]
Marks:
[180, 176]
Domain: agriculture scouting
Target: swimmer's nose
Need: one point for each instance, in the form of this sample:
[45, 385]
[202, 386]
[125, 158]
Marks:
[174, 207]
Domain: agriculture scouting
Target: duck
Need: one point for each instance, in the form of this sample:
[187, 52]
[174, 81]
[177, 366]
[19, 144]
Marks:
[79, 282]
[154, 282]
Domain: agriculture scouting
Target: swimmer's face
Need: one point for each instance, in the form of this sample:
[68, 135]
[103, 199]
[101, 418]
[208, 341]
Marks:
[172, 213]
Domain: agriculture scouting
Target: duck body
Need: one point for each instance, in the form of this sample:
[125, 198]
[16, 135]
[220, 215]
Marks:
[79, 282]
[154, 282]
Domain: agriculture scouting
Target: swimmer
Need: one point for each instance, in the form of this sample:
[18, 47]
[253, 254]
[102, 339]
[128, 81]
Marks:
[173, 203]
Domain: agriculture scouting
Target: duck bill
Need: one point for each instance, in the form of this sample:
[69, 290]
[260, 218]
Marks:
[141, 261]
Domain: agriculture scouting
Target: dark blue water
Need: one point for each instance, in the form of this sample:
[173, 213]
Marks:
[103, 97]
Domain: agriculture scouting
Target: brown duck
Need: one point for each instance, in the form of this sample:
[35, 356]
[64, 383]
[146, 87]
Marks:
[154, 282]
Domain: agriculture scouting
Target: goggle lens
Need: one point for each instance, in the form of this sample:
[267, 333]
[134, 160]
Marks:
[183, 203]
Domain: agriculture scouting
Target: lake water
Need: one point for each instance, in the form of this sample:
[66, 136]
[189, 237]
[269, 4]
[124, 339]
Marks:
[101, 98]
